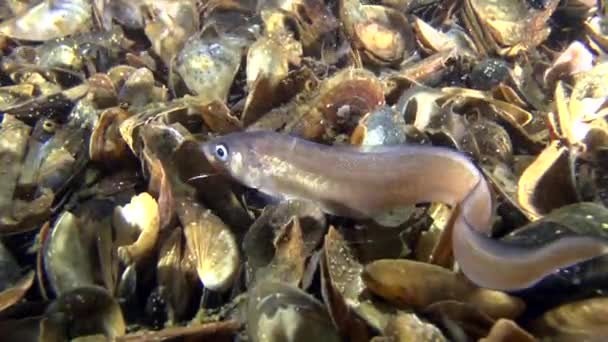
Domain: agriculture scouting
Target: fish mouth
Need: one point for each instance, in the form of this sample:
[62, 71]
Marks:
[202, 176]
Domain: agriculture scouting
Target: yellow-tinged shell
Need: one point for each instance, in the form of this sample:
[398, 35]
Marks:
[137, 225]
[106, 144]
[215, 251]
[417, 285]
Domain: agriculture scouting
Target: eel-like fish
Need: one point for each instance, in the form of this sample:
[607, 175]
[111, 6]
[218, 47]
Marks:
[362, 183]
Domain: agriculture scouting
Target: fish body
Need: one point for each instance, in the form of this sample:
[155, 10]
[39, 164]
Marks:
[359, 183]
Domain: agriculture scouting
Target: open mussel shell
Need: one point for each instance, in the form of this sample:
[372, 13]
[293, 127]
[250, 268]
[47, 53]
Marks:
[548, 182]
[382, 33]
[338, 104]
[581, 113]
[279, 312]
[268, 61]
[489, 141]
[312, 20]
[512, 24]
[289, 261]
[258, 242]
[269, 56]
[211, 243]
[13, 293]
[574, 59]
[291, 94]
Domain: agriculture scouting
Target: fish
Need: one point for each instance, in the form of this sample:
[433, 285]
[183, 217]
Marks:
[361, 183]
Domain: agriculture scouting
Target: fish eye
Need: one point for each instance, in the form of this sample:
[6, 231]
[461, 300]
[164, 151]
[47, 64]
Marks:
[221, 152]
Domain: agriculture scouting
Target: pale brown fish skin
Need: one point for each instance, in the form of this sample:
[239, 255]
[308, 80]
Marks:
[353, 182]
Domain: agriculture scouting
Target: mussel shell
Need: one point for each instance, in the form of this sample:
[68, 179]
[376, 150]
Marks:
[70, 254]
[580, 281]
[106, 145]
[13, 143]
[383, 126]
[85, 311]
[258, 240]
[209, 64]
[336, 105]
[578, 320]
[278, 312]
[489, 73]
